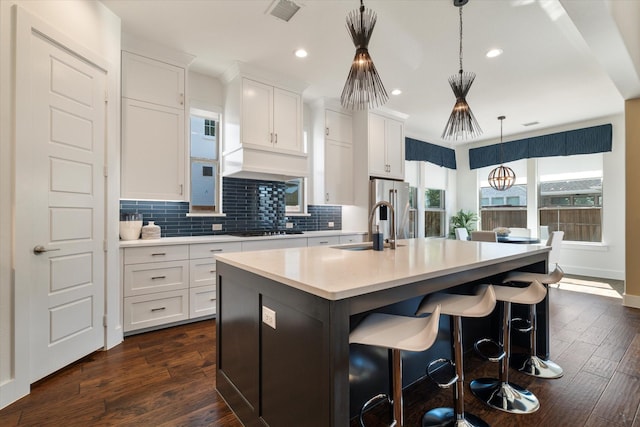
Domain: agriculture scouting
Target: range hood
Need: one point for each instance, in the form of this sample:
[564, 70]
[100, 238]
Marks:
[263, 165]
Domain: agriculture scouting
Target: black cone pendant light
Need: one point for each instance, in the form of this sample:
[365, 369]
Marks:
[461, 124]
[363, 87]
[503, 177]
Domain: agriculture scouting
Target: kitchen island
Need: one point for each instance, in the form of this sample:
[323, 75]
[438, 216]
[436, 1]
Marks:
[284, 316]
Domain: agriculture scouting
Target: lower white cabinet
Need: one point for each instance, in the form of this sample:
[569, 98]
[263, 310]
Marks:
[170, 283]
[323, 241]
[352, 238]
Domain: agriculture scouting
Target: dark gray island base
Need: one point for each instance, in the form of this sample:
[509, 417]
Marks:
[303, 372]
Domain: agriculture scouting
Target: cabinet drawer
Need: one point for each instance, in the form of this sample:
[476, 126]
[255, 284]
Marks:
[202, 272]
[352, 238]
[323, 241]
[156, 254]
[208, 250]
[260, 245]
[202, 301]
[152, 310]
[140, 279]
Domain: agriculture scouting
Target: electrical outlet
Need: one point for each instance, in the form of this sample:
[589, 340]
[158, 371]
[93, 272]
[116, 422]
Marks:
[288, 225]
[268, 316]
[330, 224]
[216, 227]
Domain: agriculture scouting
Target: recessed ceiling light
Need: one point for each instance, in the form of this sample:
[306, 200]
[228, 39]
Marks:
[301, 53]
[494, 52]
[396, 92]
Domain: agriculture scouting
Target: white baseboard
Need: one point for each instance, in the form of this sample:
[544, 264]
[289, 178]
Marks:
[593, 272]
[632, 301]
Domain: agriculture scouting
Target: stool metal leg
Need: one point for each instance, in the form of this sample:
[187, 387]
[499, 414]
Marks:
[398, 415]
[531, 364]
[454, 417]
[500, 393]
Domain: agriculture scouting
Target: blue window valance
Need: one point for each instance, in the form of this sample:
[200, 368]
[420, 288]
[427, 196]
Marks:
[596, 139]
[432, 153]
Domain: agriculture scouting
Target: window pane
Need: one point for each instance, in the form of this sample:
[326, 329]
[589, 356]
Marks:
[434, 198]
[433, 223]
[294, 195]
[203, 157]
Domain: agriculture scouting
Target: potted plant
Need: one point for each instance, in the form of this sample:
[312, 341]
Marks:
[462, 219]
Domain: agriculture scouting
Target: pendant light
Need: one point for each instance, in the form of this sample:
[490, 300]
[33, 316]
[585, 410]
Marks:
[363, 87]
[461, 123]
[502, 178]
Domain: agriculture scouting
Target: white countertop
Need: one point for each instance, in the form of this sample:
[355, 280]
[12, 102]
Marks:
[227, 238]
[335, 274]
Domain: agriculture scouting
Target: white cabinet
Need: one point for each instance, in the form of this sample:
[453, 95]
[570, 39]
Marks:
[323, 241]
[263, 129]
[386, 147]
[153, 135]
[155, 286]
[202, 276]
[271, 117]
[260, 245]
[165, 284]
[333, 156]
[352, 238]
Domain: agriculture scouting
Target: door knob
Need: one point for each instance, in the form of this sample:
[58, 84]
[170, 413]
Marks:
[38, 249]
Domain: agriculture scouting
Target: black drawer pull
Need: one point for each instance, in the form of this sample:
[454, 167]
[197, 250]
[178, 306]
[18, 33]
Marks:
[212, 299]
[158, 309]
[212, 271]
[215, 250]
[158, 277]
[159, 254]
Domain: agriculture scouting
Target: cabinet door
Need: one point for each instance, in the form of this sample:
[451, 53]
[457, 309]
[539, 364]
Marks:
[257, 113]
[338, 177]
[286, 121]
[377, 148]
[152, 81]
[394, 140]
[152, 151]
[338, 126]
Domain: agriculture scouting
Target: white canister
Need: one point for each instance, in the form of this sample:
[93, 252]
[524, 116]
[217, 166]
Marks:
[151, 231]
[130, 225]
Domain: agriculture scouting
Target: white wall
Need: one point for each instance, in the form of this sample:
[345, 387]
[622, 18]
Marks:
[599, 260]
[97, 29]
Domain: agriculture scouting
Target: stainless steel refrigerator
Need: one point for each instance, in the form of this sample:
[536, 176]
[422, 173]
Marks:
[398, 194]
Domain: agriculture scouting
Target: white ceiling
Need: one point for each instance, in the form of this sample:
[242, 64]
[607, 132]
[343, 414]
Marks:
[547, 74]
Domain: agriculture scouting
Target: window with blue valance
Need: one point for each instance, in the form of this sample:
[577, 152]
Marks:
[432, 153]
[596, 139]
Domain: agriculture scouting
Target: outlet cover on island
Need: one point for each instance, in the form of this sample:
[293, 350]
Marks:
[288, 225]
[268, 316]
[216, 227]
[330, 224]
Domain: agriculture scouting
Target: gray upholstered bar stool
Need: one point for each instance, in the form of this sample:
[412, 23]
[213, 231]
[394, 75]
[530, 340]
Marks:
[500, 393]
[457, 306]
[530, 363]
[396, 333]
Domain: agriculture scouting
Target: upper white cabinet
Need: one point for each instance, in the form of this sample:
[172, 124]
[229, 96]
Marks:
[262, 128]
[386, 147]
[333, 156]
[153, 136]
[271, 117]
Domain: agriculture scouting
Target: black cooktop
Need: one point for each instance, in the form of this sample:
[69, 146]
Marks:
[255, 233]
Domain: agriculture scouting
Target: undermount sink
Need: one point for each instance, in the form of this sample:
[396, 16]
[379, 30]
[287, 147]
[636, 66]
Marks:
[366, 246]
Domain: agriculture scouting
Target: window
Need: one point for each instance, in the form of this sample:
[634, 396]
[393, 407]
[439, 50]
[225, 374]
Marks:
[434, 212]
[294, 195]
[204, 164]
[570, 196]
[506, 208]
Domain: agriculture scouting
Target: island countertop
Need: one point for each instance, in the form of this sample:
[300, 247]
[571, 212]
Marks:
[333, 273]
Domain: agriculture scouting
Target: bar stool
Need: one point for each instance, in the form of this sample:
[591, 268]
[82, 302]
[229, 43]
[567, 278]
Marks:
[500, 393]
[396, 333]
[457, 306]
[530, 363]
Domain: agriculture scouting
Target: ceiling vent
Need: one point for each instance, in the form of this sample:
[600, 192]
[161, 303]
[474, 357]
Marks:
[283, 9]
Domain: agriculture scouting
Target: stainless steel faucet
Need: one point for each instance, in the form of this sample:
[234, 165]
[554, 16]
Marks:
[392, 238]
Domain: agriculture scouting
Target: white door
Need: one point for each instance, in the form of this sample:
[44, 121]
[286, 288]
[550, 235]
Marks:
[63, 157]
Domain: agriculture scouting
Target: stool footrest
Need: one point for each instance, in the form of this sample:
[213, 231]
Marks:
[521, 325]
[435, 377]
[489, 350]
[370, 402]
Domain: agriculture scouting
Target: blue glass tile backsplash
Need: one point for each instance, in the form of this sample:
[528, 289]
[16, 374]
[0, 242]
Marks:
[249, 205]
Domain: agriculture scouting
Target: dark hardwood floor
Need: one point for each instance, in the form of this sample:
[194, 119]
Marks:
[167, 378]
